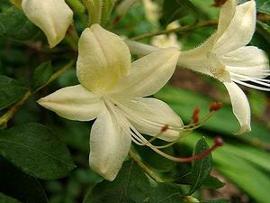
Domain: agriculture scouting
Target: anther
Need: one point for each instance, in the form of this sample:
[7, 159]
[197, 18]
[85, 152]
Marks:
[196, 115]
[215, 106]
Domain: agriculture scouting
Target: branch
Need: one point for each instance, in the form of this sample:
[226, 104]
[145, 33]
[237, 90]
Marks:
[13, 110]
[179, 29]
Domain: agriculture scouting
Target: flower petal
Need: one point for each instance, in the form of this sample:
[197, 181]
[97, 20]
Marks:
[151, 116]
[74, 103]
[240, 105]
[103, 59]
[240, 30]
[109, 145]
[247, 61]
[226, 15]
[53, 17]
[149, 74]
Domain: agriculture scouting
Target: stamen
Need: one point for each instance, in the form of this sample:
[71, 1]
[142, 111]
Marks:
[190, 127]
[215, 106]
[218, 142]
[251, 86]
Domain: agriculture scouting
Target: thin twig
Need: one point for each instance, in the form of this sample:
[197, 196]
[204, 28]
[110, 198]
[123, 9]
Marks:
[13, 110]
[179, 29]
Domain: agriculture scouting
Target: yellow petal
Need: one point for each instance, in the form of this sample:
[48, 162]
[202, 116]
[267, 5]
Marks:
[149, 74]
[240, 105]
[53, 17]
[103, 59]
[150, 116]
[109, 145]
[74, 103]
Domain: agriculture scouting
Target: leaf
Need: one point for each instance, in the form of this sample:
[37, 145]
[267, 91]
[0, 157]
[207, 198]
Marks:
[6, 199]
[36, 150]
[19, 185]
[263, 6]
[14, 25]
[177, 9]
[131, 185]
[42, 74]
[213, 183]
[201, 168]
[10, 91]
[243, 173]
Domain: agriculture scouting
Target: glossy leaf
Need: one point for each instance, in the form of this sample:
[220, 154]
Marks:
[42, 74]
[18, 185]
[36, 150]
[6, 199]
[201, 168]
[175, 10]
[131, 185]
[14, 25]
[10, 91]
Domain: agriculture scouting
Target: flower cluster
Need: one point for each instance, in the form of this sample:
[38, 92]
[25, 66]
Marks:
[115, 91]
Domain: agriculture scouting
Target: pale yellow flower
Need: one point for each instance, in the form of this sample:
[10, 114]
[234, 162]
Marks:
[111, 91]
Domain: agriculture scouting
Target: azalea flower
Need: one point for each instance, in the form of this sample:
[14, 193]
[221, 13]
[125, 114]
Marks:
[112, 91]
[53, 17]
[226, 57]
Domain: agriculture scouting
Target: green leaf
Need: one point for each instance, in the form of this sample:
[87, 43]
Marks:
[201, 168]
[10, 91]
[212, 182]
[36, 150]
[242, 172]
[177, 9]
[263, 6]
[6, 199]
[19, 185]
[14, 25]
[131, 185]
[42, 74]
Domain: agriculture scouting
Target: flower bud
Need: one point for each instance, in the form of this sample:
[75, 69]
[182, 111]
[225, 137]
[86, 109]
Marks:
[53, 17]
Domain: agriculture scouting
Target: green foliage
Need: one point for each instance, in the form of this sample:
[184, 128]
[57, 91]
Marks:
[175, 10]
[36, 150]
[200, 169]
[14, 25]
[42, 74]
[10, 91]
[7, 199]
[19, 185]
[131, 185]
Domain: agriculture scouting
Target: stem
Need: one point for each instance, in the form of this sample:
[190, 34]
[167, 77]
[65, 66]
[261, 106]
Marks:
[72, 37]
[13, 110]
[94, 9]
[179, 29]
[133, 155]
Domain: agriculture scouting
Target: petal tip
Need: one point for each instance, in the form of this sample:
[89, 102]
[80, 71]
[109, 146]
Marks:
[244, 129]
